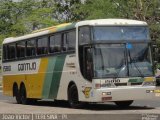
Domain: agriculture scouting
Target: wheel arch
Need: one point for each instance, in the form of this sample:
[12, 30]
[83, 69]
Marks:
[69, 85]
[22, 84]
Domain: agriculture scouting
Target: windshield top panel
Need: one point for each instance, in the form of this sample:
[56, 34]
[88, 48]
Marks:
[120, 33]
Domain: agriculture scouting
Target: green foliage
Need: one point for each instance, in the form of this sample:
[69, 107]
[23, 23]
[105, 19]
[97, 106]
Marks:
[98, 9]
[19, 18]
[67, 10]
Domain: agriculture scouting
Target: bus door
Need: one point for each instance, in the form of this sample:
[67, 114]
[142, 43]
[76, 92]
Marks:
[86, 62]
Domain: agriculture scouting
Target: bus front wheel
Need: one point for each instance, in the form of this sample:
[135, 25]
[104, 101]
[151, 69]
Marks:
[124, 104]
[73, 97]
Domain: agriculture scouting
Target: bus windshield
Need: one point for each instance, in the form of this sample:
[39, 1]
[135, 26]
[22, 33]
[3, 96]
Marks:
[117, 60]
[120, 33]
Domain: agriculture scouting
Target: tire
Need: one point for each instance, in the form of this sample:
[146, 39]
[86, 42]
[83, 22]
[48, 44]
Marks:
[32, 101]
[16, 93]
[73, 97]
[23, 95]
[124, 104]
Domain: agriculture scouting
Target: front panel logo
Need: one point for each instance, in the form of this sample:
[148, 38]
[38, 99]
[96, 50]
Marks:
[27, 66]
[86, 92]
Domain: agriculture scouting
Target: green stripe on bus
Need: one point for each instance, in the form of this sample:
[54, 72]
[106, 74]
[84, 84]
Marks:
[48, 77]
[136, 80]
[56, 76]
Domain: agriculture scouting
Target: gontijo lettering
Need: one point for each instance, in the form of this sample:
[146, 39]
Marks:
[27, 66]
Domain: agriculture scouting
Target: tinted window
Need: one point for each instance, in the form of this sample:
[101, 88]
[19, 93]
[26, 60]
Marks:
[120, 33]
[42, 46]
[84, 35]
[11, 51]
[55, 43]
[64, 43]
[5, 52]
[21, 49]
[71, 40]
[31, 48]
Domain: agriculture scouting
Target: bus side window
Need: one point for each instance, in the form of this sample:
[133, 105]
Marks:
[42, 46]
[55, 43]
[31, 48]
[64, 43]
[84, 35]
[21, 49]
[51, 44]
[71, 40]
[5, 56]
[11, 51]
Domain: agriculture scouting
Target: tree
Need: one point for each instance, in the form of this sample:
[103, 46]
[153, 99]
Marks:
[41, 15]
[19, 18]
[68, 10]
[98, 9]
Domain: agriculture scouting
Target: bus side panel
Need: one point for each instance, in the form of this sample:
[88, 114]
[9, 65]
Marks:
[32, 79]
[34, 82]
[8, 82]
[53, 77]
[68, 74]
[71, 73]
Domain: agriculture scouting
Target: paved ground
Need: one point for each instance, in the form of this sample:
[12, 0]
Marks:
[137, 111]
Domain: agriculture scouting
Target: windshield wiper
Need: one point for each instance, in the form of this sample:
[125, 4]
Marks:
[133, 61]
[122, 65]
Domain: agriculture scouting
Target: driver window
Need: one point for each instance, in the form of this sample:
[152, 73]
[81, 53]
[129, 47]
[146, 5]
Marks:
[84, 35]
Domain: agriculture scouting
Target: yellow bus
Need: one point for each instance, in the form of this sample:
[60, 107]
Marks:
[103, 60]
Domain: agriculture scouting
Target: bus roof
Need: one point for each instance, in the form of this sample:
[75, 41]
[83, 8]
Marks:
[67, 26]
[111, 22]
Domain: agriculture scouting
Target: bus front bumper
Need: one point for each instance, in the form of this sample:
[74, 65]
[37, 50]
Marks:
[125, 93]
